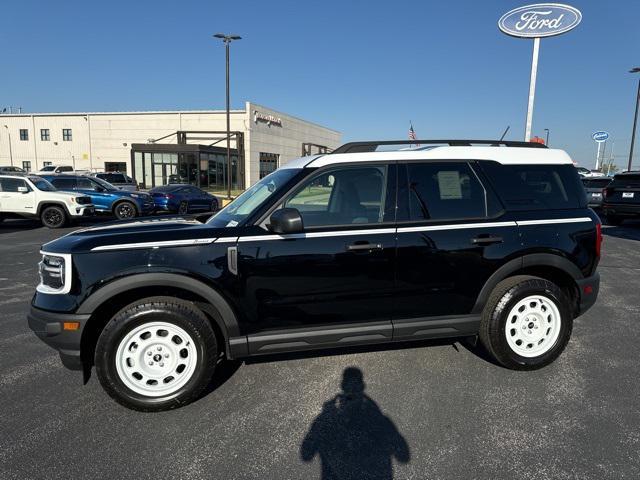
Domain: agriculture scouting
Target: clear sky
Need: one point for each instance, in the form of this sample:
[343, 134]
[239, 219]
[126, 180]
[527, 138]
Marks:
[364, 68]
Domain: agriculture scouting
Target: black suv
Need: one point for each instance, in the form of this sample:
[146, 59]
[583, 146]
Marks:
[621, 198]
[360, 246]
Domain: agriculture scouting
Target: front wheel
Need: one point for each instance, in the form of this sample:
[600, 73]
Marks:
[53, 217]
[526, 323]
[156, 354]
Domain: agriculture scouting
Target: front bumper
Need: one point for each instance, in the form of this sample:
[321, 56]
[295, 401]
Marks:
[48, 326]
[82, 210]
[588, 289]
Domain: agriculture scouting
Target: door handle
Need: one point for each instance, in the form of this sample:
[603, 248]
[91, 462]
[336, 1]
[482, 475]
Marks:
[364, 246]
[486, 240]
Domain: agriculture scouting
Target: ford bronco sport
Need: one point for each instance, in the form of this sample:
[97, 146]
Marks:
[482, 239]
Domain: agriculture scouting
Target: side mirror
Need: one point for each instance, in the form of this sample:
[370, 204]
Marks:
[286, 220]
[23, 190]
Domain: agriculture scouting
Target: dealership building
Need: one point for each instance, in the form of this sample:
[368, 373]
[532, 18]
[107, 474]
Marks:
[156, 148]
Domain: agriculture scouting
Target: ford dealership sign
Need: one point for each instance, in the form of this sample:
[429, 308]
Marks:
[600, 136]
[540, 20]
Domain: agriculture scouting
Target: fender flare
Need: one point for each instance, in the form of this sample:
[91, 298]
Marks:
[52, 202]
[222, 313]
[516, 264]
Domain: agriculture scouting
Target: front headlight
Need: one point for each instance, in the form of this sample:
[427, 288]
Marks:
[55, 273]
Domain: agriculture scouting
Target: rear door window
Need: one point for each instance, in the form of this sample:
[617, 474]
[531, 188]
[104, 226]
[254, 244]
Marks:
[536, 187]
[446, 191]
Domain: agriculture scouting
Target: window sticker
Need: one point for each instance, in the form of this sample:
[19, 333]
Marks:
[449, 185]
[232, 223]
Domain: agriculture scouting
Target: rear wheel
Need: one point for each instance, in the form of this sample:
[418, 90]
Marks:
[53, 216]
[156, 354]
[125, 210]
[526, 323]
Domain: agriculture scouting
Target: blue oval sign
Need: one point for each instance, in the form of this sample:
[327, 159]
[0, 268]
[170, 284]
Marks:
[540, 20]
[600, 136]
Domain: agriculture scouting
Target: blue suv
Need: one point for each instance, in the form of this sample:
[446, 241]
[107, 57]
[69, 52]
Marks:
[104, 196]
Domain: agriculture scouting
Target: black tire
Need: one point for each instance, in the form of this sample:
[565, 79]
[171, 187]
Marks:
[125, 210]
[614, 220]
[53, 216]
[183, 209]
[495, 316]
[170, 310]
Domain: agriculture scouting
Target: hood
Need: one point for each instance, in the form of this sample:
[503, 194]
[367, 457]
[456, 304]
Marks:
[64, 195]
[141, 234]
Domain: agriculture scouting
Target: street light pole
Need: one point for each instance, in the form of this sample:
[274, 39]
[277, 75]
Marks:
[635, 120]
[547, 140]
[227, 39]
[10, 149]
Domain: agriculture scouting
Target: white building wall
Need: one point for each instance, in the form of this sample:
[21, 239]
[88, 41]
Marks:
[107, 137]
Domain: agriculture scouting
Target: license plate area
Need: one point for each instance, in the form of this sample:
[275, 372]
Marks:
[627, 194]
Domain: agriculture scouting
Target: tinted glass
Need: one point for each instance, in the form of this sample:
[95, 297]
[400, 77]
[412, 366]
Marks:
[165, 188]
[536, 187]
[439, 191]
[595, 182]
[65, 169]
[64, 183]
[342, 196]
[85, 184]
[42, 184]
[629, 180]
[11, 184]
[113, 177]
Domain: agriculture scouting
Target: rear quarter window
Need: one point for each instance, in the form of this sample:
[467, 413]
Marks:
[536, 187]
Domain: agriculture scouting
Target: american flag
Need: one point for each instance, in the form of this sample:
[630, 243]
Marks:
[412, 134]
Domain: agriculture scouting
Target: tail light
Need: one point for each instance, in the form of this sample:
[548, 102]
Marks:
[598, 238]
[605, 192]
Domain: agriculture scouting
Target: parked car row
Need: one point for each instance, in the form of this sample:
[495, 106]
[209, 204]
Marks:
[618, 198]
[57, 198]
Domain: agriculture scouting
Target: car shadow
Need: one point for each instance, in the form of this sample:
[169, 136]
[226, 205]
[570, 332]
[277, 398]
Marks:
[352, 437]
[17, 225]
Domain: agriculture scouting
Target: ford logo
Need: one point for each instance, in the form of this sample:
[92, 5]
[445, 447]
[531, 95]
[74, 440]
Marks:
[600, 136]
[540, 20]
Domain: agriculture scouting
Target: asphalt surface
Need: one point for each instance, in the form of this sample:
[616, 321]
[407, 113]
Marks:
[428, 411]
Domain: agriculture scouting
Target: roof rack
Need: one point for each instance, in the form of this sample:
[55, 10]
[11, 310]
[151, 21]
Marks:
[356, 147]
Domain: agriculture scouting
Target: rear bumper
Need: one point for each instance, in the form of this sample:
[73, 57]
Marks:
[588, 288]
[48, 326]
[622, 209]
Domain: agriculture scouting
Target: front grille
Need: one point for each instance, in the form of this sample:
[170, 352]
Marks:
[83, 200]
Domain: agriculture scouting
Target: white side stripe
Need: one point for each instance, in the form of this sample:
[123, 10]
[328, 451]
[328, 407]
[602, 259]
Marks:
[430, 228]
[554, 220]
[339, 233]
[169, 243]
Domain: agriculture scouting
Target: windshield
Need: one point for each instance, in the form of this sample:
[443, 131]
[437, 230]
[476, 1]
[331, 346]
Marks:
[42, 185]
[253, 198]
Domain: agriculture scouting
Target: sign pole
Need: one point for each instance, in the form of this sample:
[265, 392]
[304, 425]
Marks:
[532, 88]
[598, 155]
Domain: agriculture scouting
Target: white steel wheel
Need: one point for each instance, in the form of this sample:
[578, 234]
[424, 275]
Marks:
[533, 326]
[156, 359]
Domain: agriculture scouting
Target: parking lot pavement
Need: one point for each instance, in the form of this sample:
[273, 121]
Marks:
[428, 411]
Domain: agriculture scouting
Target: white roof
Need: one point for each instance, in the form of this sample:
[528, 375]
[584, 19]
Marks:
[504, 155]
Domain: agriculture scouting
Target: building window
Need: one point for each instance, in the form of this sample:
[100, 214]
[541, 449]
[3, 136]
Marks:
[46, 164]
[66, 135]
[268, 163]
[26, 166]
[24, 134]
[44, 135]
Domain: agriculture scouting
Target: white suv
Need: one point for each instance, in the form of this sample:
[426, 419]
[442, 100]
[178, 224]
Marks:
[32, 196]
[56, 169]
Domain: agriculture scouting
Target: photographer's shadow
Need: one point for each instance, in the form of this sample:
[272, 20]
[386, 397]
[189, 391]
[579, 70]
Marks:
[352, 437]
